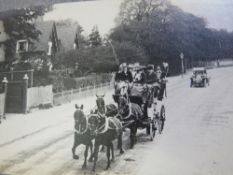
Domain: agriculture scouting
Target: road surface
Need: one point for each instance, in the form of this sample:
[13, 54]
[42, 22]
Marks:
[197, 139]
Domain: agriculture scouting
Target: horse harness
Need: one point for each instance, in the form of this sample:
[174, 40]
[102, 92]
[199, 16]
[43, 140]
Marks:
[79, 131]
[105, 127]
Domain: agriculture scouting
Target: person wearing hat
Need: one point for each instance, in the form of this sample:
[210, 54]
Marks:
[151, 76]
[124, 74]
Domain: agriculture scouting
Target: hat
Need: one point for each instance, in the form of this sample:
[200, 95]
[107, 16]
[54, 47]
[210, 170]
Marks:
[124, 65]
[150, 67]
[158, 69]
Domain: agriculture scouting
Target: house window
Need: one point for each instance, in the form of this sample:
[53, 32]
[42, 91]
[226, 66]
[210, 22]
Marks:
[21, 46]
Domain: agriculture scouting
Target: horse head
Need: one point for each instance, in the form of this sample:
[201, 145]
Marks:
[123, 106]
[100, 103]
[80, 119]
[111, 110]
[95, 122]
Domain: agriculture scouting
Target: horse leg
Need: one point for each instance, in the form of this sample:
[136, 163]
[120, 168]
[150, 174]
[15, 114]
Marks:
[85, 157]
[131, 138]
[112, 150]
[102, 148]
[91, 149]
[96, 151]
[74, 147]
[133, 132]
[108, 156]
[119, 143]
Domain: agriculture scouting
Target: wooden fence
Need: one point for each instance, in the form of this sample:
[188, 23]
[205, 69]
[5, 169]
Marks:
[42, 95]
[74, 94]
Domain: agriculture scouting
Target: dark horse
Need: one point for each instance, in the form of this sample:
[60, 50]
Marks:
[109, 110]
[132, 116]
[106, 129]
[100, 103]
[82, 134]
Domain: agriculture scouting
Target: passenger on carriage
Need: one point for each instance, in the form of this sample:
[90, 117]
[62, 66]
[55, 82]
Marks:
[140, 76]
[151, 76]
[123, 75]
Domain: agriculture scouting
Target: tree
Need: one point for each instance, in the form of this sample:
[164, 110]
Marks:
[19, 25]
[163, 31]
[79, 40]
[94, 37]
[56, 43]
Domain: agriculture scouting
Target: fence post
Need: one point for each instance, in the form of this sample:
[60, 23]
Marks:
[25, 78]
[4, 81]
[31, 83]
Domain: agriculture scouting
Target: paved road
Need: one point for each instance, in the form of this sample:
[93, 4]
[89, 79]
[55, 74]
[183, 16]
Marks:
[197, 139]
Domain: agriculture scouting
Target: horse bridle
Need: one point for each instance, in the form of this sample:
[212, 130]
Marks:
[85, 130]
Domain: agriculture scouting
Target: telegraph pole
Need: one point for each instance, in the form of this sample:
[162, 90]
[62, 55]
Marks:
[182, 64]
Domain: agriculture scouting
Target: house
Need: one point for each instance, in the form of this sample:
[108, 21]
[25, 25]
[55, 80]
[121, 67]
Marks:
[66, 31]
[65, 34]
[3, 38]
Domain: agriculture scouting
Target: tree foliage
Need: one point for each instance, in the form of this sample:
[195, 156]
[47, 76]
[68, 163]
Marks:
[163, 31]
[19, 25]
[94, 37]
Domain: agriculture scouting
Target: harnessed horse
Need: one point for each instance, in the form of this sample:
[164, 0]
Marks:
[105, 129]
[131, 114]
[108, 110]
[82, 134]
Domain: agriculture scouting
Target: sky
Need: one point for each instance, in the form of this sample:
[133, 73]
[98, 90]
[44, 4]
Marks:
[217, 13]
[89, 13]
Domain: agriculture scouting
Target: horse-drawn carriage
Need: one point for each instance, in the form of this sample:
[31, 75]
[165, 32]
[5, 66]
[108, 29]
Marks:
[141, 109]
[138, 108]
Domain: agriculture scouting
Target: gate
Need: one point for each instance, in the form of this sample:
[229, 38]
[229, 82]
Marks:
[16, 97]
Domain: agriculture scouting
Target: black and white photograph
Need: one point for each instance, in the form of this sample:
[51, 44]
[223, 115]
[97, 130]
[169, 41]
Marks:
[116, 87]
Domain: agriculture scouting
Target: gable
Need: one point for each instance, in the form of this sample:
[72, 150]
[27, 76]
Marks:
[66, 34]
[3, 35]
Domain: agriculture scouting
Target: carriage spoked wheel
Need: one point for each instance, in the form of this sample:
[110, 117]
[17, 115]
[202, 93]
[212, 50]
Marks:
[162, 119]
[152, 129]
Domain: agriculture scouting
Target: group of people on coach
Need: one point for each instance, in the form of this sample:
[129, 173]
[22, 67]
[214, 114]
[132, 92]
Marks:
[145, 75]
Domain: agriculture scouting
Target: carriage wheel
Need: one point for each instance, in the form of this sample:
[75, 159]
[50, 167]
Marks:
[162, 119]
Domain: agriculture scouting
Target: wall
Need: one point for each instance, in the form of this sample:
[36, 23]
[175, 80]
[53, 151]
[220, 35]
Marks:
[2, 104]
[39, 95]
[2, 53]
[74, 94]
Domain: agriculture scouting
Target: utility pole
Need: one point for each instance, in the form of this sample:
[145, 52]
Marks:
[114, 52]
[182, 64]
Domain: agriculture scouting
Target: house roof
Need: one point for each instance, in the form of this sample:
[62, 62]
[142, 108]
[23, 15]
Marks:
[65, 30]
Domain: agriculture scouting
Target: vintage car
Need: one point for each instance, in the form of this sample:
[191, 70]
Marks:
[199, 77]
